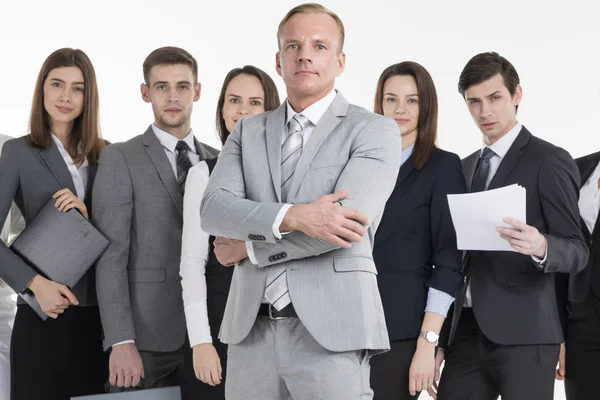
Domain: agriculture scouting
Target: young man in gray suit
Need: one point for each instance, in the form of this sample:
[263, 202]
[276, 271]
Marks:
[306, 185]
[138, 201]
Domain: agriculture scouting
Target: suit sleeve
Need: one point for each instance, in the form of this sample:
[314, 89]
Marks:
[558, 189]
[225, 211]
[13, 270]
[561, 283]
[113, 206]
[446, 258]
[370, 176]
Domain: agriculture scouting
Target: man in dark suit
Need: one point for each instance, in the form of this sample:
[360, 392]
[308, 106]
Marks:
[581, 294]
[505, 335]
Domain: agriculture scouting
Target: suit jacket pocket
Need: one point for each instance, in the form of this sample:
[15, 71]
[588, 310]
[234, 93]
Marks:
[535, 278]
[354, 263]
[147, 275]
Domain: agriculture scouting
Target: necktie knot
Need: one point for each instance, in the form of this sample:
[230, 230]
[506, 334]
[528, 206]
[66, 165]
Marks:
[487, 154]
[298, 123]
[182, 146]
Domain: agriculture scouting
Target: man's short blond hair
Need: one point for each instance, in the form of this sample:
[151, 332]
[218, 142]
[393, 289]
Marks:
[313, 8]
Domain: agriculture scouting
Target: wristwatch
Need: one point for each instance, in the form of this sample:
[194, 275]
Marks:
[430, 336]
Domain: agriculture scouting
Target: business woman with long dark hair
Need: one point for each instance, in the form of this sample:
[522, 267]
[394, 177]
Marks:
[245, 92]
[418, 265]
[61, 357]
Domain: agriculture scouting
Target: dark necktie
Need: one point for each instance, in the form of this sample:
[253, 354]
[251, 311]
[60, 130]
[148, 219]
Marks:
[183, 163]
[483, 171]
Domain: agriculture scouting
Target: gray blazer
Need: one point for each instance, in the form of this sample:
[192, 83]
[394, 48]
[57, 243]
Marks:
[138, 207]
[31, 175]
[334, 290]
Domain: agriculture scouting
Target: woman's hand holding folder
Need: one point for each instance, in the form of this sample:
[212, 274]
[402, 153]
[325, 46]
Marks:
[66, 200]
[54, 298]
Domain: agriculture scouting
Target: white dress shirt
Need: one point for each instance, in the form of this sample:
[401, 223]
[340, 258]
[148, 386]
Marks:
[589, 200]
[194, 256]
[313, 113]
[169, 142]
[500, 148]
[78, 175]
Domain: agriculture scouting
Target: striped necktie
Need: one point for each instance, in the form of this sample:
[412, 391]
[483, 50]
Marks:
[183, 163]
[276, 291]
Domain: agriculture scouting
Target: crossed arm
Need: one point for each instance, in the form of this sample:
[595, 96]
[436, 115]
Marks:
[369, 177]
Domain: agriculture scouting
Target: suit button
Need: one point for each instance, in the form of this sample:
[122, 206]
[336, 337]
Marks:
[283, 255]
[271, 258]
[551, 268]
[251, 237]
[261, 237]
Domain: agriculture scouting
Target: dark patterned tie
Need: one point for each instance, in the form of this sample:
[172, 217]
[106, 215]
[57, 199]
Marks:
[483, 171]
[183, 163]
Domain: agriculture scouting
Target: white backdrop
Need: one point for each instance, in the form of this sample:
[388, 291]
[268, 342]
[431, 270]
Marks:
[554, 46]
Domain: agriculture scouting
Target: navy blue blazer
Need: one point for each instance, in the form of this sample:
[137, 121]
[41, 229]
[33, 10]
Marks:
[415, 234]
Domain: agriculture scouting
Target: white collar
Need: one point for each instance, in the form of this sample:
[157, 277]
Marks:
[502, 145]
[169, 141]
[315, 111]
[65, 154]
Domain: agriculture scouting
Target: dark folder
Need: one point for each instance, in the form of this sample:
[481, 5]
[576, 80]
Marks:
[59, 246]
[168, 393]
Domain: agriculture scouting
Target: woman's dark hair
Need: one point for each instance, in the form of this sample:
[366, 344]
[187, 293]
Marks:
[271, 95]
[428, 107]
[86, 129]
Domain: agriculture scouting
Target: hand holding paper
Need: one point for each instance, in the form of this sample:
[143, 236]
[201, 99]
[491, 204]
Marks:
[525, 239]
[477, 215]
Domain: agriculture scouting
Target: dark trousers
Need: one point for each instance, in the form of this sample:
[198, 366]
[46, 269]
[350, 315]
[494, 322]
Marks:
[583, 351]
[58, 358]
[176, 368]
[478, 369]
[389, 371]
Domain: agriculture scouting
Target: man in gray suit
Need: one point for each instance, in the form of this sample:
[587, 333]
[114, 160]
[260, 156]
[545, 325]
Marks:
[306, 185]
[138, 201]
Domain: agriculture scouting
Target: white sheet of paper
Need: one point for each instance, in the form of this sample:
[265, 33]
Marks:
[476, 216]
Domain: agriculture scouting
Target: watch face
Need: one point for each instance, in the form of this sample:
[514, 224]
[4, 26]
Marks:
[431, 336]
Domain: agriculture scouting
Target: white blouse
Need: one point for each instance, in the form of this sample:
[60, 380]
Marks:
[589, 200]
[194, 256]
[79, 175]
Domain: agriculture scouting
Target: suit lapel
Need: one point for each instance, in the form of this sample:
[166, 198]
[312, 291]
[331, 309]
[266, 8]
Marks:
[201, 150]
[510, 159]
[156, 153]
[92, 169]
[274, 137]
[396, 206]
[326, 125]
[469, 166]
[405, 171]
[56, 164]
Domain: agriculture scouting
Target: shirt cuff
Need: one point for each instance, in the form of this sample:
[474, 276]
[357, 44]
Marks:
[278, 220]
[438, 302]
[538, 261]
[198, 324]
[123, 342]
[250, 251]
